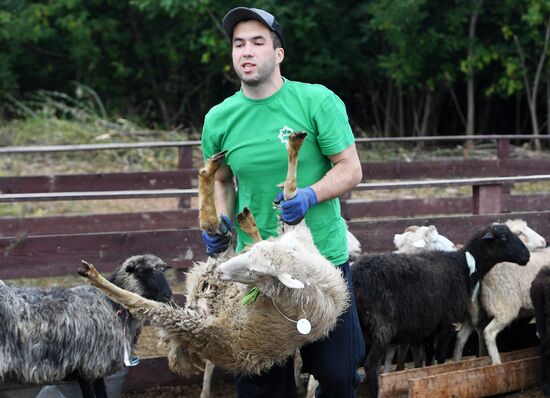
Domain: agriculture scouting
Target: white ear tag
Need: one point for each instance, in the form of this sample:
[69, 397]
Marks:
[303, 326]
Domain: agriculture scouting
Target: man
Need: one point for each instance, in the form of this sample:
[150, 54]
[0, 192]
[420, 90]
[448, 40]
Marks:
[253, 126]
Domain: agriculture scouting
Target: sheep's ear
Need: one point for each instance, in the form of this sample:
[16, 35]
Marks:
[130, 268]
[419, 244]
[397, 240]
[432, 228]
[289, 281]
[489, 235]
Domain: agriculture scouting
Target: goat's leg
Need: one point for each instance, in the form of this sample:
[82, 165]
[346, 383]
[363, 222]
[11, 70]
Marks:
[294, 143]
[207, 379]
[248, 224]
[209, 220]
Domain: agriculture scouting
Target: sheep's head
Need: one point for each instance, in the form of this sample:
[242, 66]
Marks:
[497, 243]
[266, 263]
[532, 240]
[144, 275]
[415, 239]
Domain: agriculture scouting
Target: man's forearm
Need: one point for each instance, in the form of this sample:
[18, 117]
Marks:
[225, 196]
[342, 177]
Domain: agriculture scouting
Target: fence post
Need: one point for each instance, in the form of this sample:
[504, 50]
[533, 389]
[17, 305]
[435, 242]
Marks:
[487, 199]
[185, 161]
[503, 154]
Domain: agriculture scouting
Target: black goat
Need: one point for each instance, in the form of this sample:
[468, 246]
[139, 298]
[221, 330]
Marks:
[410, 298]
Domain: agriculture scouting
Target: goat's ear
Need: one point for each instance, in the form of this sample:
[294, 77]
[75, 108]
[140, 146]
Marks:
[289, 281]
[419, 244]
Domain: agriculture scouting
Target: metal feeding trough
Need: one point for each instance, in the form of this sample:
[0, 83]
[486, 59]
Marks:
[64, 389]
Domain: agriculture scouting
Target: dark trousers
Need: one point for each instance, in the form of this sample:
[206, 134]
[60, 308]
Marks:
[333, 361]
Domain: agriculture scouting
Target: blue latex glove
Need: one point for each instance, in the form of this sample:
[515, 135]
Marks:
[294, 210]
[218, 243]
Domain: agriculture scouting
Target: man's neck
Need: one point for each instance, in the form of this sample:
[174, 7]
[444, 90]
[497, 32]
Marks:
[263, 90]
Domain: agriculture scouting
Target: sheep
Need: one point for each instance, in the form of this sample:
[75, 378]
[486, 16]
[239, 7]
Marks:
[504, 293]
[302, 295]
[415, 239]
[408, 298]
[540, 296]
[49, 334]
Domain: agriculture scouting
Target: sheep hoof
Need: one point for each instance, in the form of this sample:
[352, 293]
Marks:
[87, 270]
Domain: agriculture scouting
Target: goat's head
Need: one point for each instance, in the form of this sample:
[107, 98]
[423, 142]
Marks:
[144, 275]
[266, 263]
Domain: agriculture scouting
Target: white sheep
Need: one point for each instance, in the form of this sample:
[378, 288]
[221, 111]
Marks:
[300, 290]
[505, 291]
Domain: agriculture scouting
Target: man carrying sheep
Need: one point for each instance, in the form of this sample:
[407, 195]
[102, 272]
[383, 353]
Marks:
[253, 126]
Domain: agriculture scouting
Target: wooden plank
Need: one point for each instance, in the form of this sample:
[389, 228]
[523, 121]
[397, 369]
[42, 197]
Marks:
[94, 223]
[53, 255]
[365, 208]
[478, 382]
[185, 178]
[396, 384]
[95, 195]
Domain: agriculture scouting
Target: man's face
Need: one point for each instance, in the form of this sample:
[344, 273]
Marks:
[254, 57]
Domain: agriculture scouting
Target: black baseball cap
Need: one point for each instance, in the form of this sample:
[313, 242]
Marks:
[239, 14]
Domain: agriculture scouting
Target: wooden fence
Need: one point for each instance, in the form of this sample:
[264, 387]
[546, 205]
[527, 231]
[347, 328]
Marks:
[48, 246]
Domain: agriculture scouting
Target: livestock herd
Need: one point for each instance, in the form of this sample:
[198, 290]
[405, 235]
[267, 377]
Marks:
[423, 295]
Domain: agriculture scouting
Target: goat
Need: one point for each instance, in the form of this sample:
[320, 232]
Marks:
[408, 298]
[49, 334]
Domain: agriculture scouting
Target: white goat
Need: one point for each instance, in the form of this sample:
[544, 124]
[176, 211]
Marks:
[505, 291]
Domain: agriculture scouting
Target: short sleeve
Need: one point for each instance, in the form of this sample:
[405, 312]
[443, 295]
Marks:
[333, 128]
[209, 144]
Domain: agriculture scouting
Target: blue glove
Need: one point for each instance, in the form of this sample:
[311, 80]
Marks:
[218, 243]
[294, 210]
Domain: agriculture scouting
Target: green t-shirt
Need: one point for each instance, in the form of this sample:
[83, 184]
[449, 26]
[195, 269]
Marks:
[254, 133]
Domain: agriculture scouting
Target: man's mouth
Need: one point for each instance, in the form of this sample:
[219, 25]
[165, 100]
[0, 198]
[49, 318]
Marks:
[248, 67]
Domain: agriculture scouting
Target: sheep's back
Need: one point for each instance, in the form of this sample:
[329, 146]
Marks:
[505, 289]
[411, 294]
[47, 334]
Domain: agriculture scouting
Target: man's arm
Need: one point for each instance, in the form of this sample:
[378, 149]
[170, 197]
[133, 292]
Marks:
[225, 193]
[345, 174]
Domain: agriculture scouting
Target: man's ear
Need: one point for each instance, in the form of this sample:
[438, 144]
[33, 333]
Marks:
[280, 54]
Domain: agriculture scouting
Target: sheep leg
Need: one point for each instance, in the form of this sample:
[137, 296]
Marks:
[209, 220]
[248, 224]
[461, 339]
[207, 379]
[545, 365]
[491, 331]
[418, 355]
[372, 368]
[86, 388]
[390, 354]
[128, 299]
[100, 388]
[402, 351]
[294, 143]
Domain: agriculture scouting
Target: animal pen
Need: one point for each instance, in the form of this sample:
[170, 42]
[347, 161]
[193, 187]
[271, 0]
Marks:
[36, 247]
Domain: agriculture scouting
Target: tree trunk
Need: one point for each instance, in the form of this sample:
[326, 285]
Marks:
[388, 110]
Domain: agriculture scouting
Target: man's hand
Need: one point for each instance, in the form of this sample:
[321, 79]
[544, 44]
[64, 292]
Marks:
[218, 243]
[294, 210]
